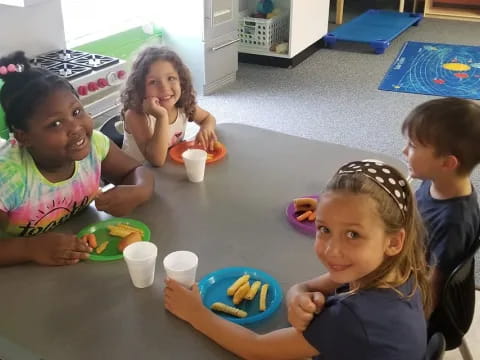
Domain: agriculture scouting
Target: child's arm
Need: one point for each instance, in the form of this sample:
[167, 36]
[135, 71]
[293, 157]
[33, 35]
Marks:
[285, 343]
[307, 298]
[154, 146]
[206, 135]
[45, 249]
[134, 183]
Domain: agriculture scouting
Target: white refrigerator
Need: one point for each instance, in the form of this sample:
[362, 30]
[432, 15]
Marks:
[204, 34]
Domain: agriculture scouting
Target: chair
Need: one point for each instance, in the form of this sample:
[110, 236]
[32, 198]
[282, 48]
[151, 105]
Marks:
[454, 314]
[110, 129]
[435, 347]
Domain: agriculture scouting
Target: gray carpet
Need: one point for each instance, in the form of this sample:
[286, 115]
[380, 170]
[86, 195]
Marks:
[332, 96]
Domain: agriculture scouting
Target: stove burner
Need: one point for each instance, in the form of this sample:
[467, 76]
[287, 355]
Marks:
[44, 62]
[70, 71]
[64, 55]
[95, 61]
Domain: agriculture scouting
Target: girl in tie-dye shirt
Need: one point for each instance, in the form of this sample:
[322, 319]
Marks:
[52, 171]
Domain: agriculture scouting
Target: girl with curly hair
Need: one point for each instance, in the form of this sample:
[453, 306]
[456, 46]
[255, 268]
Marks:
[157, 102]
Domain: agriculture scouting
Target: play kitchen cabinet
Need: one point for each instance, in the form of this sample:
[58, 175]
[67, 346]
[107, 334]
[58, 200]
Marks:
[204, 34]
[300, 23]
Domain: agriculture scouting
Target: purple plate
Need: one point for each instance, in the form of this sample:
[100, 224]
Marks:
[306, 227]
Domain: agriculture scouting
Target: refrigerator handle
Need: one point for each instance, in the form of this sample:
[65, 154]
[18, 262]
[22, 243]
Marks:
[216, 48]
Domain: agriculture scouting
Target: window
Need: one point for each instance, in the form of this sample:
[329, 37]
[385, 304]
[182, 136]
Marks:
[90, 20]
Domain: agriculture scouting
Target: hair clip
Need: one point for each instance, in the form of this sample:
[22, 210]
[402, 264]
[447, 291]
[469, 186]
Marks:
[11, 68]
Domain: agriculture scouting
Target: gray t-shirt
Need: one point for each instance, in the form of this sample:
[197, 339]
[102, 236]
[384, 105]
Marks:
[373, 324]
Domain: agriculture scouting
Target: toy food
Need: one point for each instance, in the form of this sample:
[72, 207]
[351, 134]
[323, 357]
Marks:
[253, 290]
[123, 230]
[240, 293]
[263, 297]
[91, 240]
[218, 306]
[305, 215]
[239, 282]
[129, 239]
[304, 204]
[100, 248]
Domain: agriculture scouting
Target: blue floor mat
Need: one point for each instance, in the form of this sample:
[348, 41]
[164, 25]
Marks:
[375, 27]
[435, 69]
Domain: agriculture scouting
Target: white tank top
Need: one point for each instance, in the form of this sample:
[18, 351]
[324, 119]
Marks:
[176, 132]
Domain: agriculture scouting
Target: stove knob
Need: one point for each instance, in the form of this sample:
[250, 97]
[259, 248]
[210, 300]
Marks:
[82, 90]
[121, 74]
[102, 82]
[112, 78]
[92, 86]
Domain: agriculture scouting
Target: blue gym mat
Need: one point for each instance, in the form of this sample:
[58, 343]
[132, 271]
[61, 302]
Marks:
[435, 69]
[375, 27]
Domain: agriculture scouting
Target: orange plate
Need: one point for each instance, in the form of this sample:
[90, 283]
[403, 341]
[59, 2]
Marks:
[177, 151]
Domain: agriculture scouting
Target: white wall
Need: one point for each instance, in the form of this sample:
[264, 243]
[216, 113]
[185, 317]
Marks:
[35, 29]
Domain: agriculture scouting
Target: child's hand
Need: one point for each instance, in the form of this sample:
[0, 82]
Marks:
[151, 105]
[118, 201]
[182, 302]
[57, 249]
[206, 137]
[303, 307]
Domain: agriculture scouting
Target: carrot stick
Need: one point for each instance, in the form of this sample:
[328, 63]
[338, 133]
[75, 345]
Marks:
[312, 216]
[92, 240]
[304, 216]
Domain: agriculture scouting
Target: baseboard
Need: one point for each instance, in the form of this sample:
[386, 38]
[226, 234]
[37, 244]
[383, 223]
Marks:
[278, 61]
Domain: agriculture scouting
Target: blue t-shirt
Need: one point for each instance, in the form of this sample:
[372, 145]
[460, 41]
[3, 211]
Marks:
[373, 324]
[453, 226]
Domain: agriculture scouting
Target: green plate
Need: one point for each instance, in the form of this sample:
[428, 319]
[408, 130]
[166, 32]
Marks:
[101, 233]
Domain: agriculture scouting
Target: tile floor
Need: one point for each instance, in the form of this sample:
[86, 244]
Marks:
[473, 336]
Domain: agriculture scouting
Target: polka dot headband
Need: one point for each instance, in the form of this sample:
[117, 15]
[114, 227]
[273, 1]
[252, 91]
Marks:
[385, 176]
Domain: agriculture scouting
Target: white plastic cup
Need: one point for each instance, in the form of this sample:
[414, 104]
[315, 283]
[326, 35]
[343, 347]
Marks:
[195, 160]
[140, 258]
[181, 266]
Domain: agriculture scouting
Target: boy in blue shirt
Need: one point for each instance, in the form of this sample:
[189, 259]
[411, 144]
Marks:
[443, 149]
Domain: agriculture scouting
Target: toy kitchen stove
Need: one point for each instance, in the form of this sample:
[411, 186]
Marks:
[96, 78]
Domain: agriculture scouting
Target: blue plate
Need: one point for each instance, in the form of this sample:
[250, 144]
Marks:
[213, 287]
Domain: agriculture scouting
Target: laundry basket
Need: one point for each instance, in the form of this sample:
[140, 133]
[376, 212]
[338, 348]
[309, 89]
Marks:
[260, 34]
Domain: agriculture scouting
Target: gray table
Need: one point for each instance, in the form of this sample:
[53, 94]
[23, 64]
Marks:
[234, 218]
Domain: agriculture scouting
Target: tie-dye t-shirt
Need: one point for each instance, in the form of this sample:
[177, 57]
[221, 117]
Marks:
[35, 205]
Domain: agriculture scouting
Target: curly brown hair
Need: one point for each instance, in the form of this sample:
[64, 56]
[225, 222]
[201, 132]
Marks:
[134, 92]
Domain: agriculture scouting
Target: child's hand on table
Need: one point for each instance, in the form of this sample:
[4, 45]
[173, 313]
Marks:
[57, 249]
[206, 137]
[182, 302]
[303, 307]
[118, 201]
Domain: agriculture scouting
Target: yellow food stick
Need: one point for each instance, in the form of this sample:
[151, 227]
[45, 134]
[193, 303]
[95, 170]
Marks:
[239, 282]
[120, 232]
[131, 228]
[240, 293]
[253, 290]
[100, 248]
[263, 297]
[218, 306]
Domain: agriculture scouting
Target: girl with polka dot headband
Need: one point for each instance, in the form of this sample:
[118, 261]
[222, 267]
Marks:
[370, 301]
